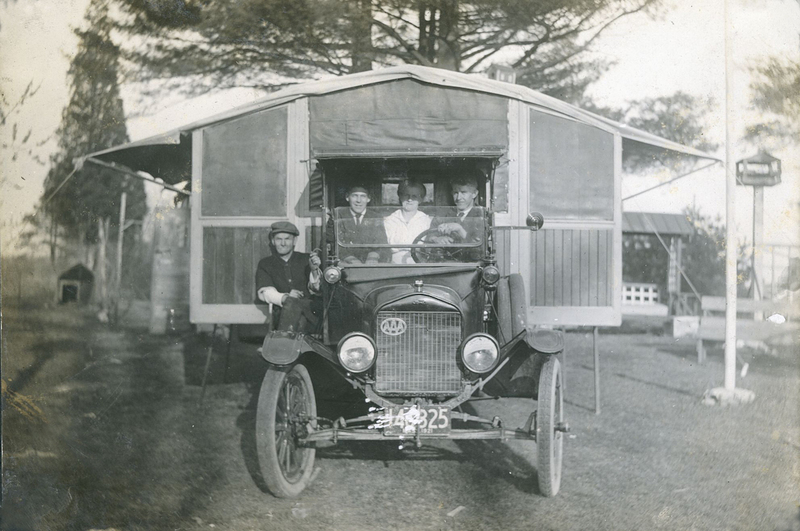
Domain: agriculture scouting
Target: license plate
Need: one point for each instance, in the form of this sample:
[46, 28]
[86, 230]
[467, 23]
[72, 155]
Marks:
[405, 420]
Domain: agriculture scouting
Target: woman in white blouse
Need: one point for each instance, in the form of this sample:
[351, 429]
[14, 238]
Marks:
[406, 223]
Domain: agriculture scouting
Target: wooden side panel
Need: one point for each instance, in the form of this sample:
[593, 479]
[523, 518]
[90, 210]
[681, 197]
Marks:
[502, 243]
[571, 267]
[231, 258]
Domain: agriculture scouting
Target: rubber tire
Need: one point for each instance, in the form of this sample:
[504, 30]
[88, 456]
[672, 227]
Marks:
[272, 397]
[549, 442]
[512, 312]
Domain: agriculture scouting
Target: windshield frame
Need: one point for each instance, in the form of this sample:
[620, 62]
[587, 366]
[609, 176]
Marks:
[445, 214]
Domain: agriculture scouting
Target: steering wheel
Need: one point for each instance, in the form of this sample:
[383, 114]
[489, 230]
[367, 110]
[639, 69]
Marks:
[422, 255]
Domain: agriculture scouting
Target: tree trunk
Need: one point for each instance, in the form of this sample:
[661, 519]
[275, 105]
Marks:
[438, 33]
[361, 37]
[448, 53]
[100, 276]
[53, 239]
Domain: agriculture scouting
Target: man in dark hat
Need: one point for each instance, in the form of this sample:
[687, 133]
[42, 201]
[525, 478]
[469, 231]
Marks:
[290, 281]
[361, 227]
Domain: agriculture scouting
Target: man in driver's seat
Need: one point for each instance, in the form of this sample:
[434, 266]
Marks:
[468, 227]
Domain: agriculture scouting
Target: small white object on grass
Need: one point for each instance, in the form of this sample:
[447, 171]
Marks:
[727, 397]
[776, 318]
[455, 511]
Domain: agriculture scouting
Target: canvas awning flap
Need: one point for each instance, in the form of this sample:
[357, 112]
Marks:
[408, 137]
[407, 118]
[167, 156]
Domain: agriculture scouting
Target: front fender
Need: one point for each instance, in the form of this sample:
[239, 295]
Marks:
[283, 348]
[526, 354]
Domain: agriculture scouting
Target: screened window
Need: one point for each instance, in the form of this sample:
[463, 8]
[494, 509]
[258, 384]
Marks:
[571, 169]
[244, 166]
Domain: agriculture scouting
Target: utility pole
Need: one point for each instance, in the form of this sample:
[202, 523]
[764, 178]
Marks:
[730, 211]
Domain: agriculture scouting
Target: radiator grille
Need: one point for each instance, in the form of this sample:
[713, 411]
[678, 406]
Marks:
[422, 359]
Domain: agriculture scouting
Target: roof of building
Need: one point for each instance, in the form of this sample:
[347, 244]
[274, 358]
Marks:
[652, 222]
[175, 141]
[77, 272]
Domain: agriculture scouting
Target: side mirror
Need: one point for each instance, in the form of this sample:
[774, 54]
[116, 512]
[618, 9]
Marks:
[535, 220]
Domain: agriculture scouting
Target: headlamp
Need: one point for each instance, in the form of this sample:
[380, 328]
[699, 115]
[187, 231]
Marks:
[332, 275]
[490, 276]
[479, 353]
[356, 352]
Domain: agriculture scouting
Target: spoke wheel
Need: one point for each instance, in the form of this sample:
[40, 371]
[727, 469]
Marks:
[423, 255]
[549, 441]
[286, 407]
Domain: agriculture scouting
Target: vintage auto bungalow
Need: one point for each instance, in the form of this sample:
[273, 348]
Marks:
[416, 339]
[264, 162]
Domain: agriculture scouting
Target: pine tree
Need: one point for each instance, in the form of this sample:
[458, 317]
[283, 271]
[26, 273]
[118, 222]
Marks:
[248, 42]
[776, 92]
[87, 205]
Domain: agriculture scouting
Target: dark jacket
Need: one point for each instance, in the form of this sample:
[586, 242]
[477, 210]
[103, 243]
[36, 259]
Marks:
[370, 231]
[473, 224]
[282, 275]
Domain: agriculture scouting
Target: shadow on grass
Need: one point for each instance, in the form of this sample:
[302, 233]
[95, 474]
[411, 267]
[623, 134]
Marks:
[246, 422]
[656, 384]
[234, 362]
[45, 350]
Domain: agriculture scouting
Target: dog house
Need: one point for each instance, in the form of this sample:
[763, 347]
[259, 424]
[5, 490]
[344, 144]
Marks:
[261, 162]
[75, 285]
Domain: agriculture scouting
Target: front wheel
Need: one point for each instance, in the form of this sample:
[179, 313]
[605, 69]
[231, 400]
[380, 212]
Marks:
[286, 409]
[549, 437]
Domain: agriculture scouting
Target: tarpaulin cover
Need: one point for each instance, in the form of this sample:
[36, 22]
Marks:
[407, 117]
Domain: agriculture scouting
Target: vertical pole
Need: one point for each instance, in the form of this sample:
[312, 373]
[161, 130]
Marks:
[208, 363]
[120, 235]
[730, 210]
[20, 267]
[670, 286]
[679, 260]
[231, 331]
[564, 362]
[596, 350]
[772, 272]
[101, 279]
[758, 236]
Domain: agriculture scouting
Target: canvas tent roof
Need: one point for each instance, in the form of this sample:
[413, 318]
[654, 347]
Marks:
[168, 156]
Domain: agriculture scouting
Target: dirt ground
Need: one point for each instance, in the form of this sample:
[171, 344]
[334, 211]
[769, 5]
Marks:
[103, 429]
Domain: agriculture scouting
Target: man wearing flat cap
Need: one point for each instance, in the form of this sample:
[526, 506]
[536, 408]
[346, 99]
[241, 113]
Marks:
[290, 281]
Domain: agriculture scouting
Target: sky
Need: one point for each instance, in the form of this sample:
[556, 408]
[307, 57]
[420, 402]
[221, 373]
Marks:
[683, 49]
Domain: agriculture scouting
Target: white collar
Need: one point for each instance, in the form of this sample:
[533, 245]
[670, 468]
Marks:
[398, 214]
